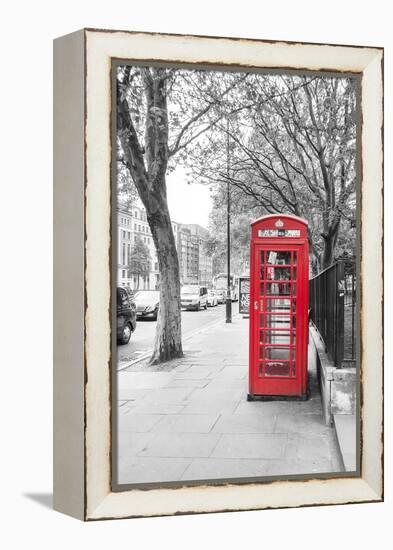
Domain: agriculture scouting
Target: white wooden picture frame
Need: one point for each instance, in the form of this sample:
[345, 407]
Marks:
[82, 256]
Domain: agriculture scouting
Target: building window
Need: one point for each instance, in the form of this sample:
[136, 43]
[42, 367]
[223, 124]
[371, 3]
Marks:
[139, 227]
[124, 273]
[124, 253]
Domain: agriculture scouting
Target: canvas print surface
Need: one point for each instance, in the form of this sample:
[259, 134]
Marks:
[235, 275]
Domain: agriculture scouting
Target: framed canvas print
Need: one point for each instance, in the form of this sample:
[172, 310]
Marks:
[218, 274]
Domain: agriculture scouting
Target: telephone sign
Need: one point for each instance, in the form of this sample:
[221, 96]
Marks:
[278, 308]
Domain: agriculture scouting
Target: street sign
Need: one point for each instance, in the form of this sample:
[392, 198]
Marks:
[244, 295]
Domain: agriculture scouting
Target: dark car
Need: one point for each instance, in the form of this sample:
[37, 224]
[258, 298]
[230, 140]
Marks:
[147, 302]
[126, 316]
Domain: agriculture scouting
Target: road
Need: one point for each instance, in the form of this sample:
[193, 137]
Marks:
[143, 338]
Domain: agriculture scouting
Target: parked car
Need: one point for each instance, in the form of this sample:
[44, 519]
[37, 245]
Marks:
[126, 316]
[220, 295]
[147, 303]
[193, 297]
[212, 299]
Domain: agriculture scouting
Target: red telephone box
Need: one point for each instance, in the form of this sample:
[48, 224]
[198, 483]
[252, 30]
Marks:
[278, 308]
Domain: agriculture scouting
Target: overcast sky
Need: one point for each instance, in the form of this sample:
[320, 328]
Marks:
[187, 203]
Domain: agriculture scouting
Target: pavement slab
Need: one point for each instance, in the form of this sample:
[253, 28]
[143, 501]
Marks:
[203, 406]
[264, 408]
[306, 448]
[251, 446]
[186, 445]
[142, 380]
[149, 470]
[138, 423]
[158, 408]
[287, 466]
[310, 424]
[223, 468]
[311, 406]
[228, 384]
[244, 424]
[231, 372]
[129, 444]
[196, 373]
[188, 383]
[186, 423]
[172, 396]
[211, 394]
[183, 367]
[129, 394]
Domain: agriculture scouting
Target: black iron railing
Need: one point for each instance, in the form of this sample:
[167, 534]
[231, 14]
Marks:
[332, 296]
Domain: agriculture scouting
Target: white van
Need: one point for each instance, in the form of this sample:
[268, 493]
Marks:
[193, 297]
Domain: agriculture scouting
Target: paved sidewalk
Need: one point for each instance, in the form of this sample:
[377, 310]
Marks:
[192, 420]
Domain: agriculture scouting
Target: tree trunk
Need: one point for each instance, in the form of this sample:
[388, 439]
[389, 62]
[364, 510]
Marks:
[168, 342]
[147, 167]
[330, 241]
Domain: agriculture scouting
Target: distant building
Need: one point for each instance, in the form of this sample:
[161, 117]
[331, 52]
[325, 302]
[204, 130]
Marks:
[194, 265]
[187, 252]
[132, 224]
[203, 269]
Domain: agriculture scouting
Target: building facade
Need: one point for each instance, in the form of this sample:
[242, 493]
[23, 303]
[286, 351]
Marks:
[187, 252]
[203, 264]
[131, 225]
[194, 265]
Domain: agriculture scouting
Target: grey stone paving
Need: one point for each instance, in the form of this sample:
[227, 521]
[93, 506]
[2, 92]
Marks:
[213, 468]
[244, 424]
[186, 423]
[135, 469]
[186, 445]
[194, 422]
[251, 446]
